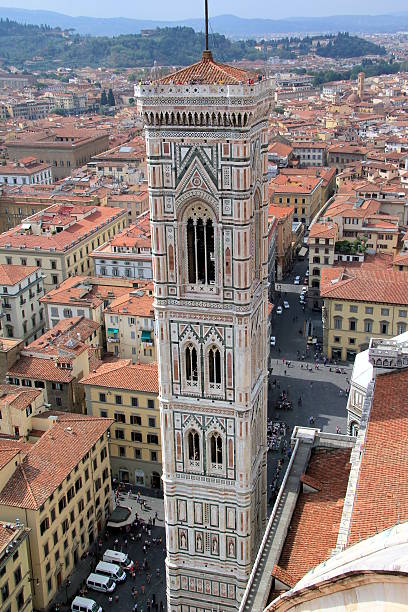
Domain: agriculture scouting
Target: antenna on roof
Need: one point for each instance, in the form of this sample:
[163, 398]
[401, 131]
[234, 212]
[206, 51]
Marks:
[207, 55]
[206, 25]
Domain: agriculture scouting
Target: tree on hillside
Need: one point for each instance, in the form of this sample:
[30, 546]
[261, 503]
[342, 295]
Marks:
[111, 98]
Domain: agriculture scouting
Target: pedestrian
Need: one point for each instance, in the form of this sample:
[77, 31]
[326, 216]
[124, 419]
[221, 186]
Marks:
[156, 515]
[142, 588]
[135, 608]
[110, 599]
[284, 372]
[116, 599]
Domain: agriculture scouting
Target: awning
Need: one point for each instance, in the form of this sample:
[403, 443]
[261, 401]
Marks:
[146, 336]
[302, 252]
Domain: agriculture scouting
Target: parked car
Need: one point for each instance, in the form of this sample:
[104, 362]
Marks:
[279, 310]
[120, 558]
[83, 604]
[111, 570]
[273, 341]
[286, 304]
[97, 582]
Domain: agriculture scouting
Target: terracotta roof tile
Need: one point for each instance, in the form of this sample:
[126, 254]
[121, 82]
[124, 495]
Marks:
[38, 368]
[365, 284]
[207, 71]
[11, 274]
[42, 469]
[314, 527]
[381, 497]
[122, 374]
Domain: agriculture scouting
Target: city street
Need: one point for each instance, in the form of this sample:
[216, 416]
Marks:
[322, 392]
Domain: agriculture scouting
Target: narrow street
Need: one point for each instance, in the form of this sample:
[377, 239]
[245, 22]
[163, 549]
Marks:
[318, 393]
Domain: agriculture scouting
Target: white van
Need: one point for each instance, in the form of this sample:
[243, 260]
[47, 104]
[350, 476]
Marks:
[120, 558]
[83, 604]
[97, 582]
[111, 570]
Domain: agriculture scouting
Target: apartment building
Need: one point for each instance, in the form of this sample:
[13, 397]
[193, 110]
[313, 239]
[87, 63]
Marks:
[63, 497]
[134, 200]
[365, 220]
[26, 171]
[65, 149]
[321, 241]
[123, 164]
[18, 406]
[21, 288]
[309, 153]
[10, 349]
[15, 571]
[283, 242]
[84, 296]
[302, 192]
[127, 393]
[56, 361]
[60, 238]
[129, 325]
[341, 155]
[29, 109]
[129, 254]
[361, 300]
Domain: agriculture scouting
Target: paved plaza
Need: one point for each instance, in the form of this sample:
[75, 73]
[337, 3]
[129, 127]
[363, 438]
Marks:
[149, 583]
[322, 392]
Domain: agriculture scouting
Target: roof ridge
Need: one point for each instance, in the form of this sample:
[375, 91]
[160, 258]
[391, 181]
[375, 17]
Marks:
[27, 483]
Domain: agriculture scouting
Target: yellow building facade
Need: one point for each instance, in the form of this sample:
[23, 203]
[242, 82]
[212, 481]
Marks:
[63, 497]
[360, 303]
[15, 574]
[127, 393]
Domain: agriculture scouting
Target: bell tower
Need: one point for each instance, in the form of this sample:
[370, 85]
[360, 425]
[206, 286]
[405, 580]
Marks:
[206, 139]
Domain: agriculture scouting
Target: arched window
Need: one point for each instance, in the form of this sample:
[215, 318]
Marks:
[193, 446]
[214, 365]
[191, 363]
[216, 450]
[200, 251]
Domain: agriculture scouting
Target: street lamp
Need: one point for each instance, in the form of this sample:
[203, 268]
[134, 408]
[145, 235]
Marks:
[67, 585]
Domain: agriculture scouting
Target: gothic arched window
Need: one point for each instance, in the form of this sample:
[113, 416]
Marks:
[200, 251]
[216, 449]
[214, 365]
[191, 363]
[194, 446]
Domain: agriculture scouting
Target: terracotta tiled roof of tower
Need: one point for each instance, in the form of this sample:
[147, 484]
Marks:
[207, 72]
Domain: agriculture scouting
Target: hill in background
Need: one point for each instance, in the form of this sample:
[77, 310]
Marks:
[229, 25]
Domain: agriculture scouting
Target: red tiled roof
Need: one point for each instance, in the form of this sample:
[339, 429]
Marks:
[365, 284]
[122, 374]
[316, 519]
[323, 230]
[18, 397]
[207, 71]
[133, 304]
[43, 469]
[381, 497]
[11, 274]
[38, 368]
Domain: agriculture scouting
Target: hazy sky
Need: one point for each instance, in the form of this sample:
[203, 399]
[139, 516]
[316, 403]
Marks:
[176, 9]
